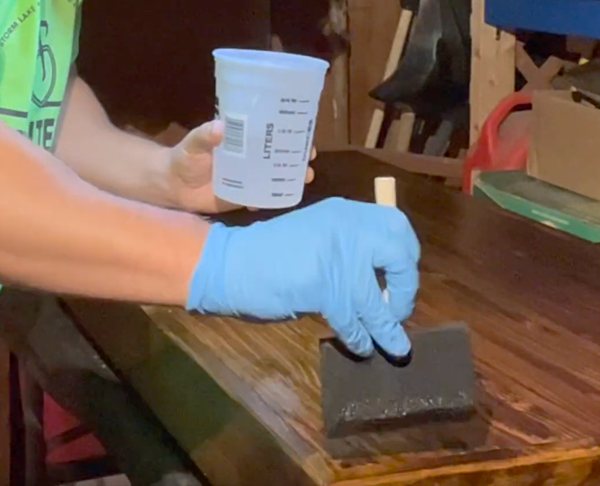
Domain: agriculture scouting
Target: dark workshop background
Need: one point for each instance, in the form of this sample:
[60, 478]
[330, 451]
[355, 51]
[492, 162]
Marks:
[152, 65]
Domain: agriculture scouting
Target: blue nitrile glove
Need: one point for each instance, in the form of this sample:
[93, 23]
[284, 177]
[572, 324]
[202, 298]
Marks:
[319, 259]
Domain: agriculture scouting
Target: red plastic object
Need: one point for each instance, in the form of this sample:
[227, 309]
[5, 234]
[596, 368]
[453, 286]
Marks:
[57, 421]
[494, 153]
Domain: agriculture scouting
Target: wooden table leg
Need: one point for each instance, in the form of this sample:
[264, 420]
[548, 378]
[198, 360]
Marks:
[4, 415]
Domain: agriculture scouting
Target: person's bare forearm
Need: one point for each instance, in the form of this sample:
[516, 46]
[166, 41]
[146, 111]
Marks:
[107, 157]
[61, 234]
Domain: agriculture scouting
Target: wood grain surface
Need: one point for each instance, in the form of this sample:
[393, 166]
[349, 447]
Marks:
[244, 399]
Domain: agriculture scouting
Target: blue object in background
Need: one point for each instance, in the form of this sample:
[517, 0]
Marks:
[565, 17]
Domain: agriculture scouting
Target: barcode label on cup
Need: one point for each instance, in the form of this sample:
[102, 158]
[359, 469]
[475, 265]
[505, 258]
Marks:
[235, 134]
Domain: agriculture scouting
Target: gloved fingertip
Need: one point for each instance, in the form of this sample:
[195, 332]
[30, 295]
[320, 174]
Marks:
[397, 345]
[363, 347]
[364, 351]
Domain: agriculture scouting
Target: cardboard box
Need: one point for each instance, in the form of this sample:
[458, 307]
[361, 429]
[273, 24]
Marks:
[565, 144]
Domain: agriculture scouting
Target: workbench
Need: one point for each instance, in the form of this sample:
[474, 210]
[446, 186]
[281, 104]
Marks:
[244, 399]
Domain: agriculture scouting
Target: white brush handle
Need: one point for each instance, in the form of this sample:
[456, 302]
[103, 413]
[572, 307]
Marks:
[385, 191]
[385, 195]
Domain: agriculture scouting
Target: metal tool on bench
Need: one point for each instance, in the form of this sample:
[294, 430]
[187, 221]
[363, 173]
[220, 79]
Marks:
[584, 81]
[435, 386]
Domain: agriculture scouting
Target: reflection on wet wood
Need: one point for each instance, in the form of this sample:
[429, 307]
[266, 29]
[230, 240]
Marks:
[244, 399]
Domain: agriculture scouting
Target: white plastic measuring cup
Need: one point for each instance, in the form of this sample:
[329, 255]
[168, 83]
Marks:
[268, 102]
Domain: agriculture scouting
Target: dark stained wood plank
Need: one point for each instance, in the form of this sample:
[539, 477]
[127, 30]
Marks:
[4, 415]
[529, 294]
[217, 429]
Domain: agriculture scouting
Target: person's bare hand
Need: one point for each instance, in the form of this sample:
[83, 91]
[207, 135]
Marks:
[190, 170]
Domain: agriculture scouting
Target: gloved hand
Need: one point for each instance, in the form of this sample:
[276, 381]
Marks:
[319, 259]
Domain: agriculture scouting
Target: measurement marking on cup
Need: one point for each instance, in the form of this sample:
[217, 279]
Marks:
[282, 151]
[278, 179]
[303, 113]
[287, 112]
[232, 181]
[235, 134]
[296, 151]
[304, 101]
[232, 184]
[308, 133]
[299, 132]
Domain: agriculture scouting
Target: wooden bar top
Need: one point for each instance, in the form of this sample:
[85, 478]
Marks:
[244, 399]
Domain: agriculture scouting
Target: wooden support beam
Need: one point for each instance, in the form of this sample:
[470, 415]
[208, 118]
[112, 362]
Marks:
[338, 18]
[372, 26]
[537, 77]
[396, 51]
[400, 133]
[492, 67]
[375, 127]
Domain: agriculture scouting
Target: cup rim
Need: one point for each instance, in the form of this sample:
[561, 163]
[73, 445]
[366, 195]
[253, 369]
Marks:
[270, 59]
